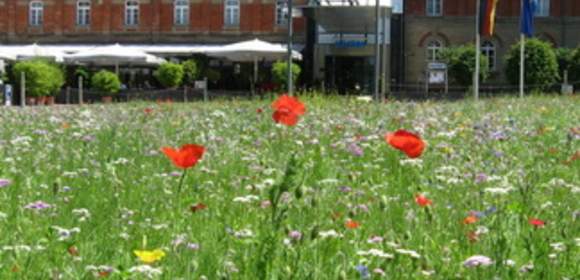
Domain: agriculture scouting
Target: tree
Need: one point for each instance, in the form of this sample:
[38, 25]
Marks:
[280, 75]
[106, 82]
[461, 64]
[190, 71]
[540, 63]
[573, 65]
[170, 75]
[42, 77]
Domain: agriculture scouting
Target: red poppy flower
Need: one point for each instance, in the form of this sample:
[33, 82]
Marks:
[147, 111]
[422, 200]
[409, 143]
[471, 219]
[259, 110]
[197, 207]
[186, 157]
[287, 110]
[536, 222]
[351, 224]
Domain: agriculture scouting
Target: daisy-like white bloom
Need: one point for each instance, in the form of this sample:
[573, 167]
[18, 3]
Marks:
[376, 253]
[499, 191]
[65, 234]
[244, 233]
[246, 199]
[477, 260]
[329, 234]
[409, 253]
[82, 214]
[146, 270]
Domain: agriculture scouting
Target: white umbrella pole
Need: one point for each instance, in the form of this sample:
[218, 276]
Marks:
[117, 68]
[522, 63]
[255, 82]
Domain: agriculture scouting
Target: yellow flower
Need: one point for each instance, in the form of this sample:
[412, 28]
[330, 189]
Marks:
[149, 257]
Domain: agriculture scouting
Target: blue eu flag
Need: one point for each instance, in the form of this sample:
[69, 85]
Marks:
[527, 24]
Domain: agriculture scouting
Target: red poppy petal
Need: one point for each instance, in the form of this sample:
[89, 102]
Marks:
[286, 118]
[409, 143]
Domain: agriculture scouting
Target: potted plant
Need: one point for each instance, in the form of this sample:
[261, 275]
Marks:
[107, 83]
[42, 78]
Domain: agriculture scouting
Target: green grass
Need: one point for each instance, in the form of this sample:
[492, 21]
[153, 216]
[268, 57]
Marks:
[107, 160]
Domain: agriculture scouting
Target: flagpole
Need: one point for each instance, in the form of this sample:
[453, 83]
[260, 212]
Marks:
[477, 51]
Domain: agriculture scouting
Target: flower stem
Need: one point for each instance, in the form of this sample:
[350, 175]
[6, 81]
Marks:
[181, 181]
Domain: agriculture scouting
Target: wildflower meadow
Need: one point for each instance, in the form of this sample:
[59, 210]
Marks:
[294, 188]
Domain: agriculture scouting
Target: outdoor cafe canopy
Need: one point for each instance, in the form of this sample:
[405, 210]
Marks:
[113, 55]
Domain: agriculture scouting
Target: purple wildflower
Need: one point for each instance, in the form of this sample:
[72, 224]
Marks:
[477, 260]
[480, 178]
[193, 246]
[38, 205]
[4, 182]
[345, 189]
[295, 235]
[355, 150]
[364, 271]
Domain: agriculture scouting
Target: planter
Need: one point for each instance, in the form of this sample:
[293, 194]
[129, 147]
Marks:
[49, 100]
[41, 100]
[107, 99]
[30, 101]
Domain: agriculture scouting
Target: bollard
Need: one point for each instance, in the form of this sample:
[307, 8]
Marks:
[81, 90]
[23, 89]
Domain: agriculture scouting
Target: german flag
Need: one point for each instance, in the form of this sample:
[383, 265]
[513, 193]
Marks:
[487, 17]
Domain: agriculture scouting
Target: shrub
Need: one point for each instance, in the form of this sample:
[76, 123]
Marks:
[42, 77]
[280, 75]
[540, 64]
[213, 75]
[106, 82]
[573, 65]
[190, 71]
[461, 64]
[169, 74]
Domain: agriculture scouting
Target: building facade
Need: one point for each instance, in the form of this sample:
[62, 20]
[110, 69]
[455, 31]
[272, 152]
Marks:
[431, 25]
[144, 21]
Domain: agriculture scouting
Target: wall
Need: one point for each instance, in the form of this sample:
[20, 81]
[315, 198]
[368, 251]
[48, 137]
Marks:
[206, 23]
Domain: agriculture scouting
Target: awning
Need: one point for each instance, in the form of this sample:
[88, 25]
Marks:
[346, 16]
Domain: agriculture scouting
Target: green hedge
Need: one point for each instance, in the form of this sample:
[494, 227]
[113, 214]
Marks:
[169, 74]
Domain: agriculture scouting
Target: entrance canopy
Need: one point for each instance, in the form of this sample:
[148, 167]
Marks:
[113, 55]
[346, 16]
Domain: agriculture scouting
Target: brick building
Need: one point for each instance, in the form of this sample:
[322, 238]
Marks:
[143, 21]
[431, 25]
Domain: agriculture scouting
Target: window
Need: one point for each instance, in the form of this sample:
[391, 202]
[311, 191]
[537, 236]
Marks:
[232, 13]
[543, 8]
[36, 13]
[131, 12]
[181, 12]
[281, 12]
[488, 50]
[434, 7]
[433, 50]
[83, 12]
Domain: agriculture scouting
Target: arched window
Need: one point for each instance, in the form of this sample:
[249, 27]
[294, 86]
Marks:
[181, 12]
[543, 8]
[83, 12]
[131, 12]
[434, 48]
[488, 50]
[36, 11]
[434, 7]
[281, 12]
[232, 12]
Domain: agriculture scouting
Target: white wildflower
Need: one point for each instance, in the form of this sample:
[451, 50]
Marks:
[409, 253]
[329, 234]
[146, 270]
[246, 199]
[375, 253]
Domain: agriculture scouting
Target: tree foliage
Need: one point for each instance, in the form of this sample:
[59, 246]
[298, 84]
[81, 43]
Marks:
[461, 64]
[541, 65]
[106, 82]
[43, 78]
[280, 75]
[190, 71]
[170, 74]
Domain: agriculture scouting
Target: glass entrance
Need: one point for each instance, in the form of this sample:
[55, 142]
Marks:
[349, 74]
